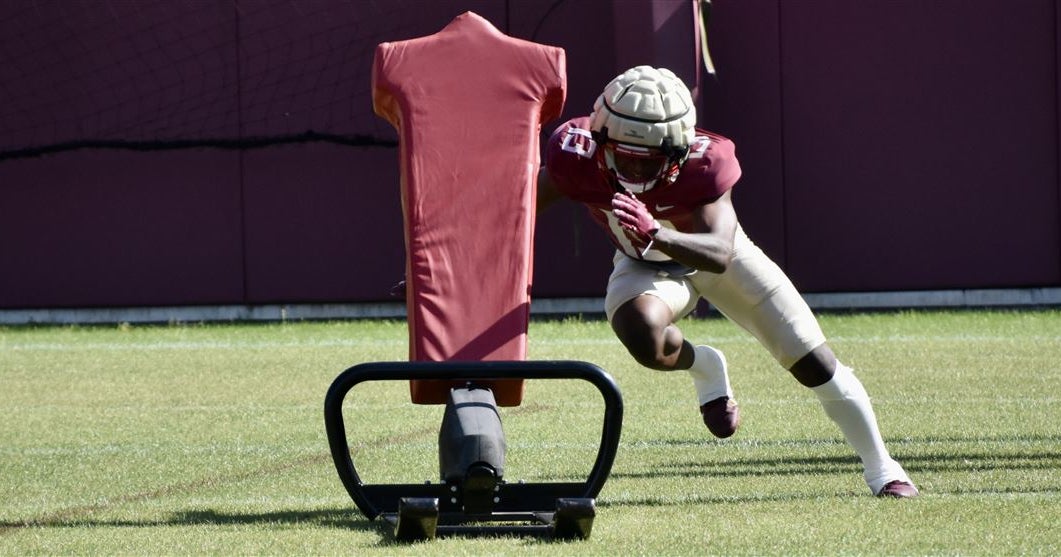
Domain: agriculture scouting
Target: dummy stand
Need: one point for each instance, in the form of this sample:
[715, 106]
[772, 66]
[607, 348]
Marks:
[473, 497]
[468, 293]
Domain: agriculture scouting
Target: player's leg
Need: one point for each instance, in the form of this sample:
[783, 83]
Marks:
[642, 305]
[644, 326]
[757, 295]
[848, 405]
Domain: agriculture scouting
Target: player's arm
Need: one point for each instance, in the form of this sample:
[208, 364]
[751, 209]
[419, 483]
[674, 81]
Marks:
[709, 247]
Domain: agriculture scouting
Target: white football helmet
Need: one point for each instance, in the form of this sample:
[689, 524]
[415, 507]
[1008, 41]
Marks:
[644, 122]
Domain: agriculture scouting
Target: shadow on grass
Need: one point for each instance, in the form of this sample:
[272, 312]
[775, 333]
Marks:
[341, 519]
[919, 456]
[701, 499]
[349, 519]
[346, 518]
[784, 466]
[929, 454]
[937, 454]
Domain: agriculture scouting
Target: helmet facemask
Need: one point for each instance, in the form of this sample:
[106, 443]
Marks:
[637, 168]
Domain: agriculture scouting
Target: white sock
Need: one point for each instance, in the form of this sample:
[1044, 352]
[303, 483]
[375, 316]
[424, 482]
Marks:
[846, 402]
[709, 372]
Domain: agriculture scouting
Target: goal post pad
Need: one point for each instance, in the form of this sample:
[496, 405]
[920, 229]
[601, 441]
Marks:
[468, 104]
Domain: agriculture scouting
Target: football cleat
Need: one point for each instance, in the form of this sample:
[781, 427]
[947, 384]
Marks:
[721, 416]
[898, 489]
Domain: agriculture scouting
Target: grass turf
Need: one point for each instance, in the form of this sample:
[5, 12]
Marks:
[209, 439]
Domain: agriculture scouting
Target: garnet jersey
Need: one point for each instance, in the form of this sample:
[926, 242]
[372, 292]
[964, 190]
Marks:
[710, 171]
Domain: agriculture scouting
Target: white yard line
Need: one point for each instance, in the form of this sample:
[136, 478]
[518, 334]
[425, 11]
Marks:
[388, 342]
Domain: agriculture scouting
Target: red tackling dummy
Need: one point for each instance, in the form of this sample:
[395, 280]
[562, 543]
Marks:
[468, 103]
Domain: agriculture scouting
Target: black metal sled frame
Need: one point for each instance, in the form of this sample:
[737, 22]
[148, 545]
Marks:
[557, 509]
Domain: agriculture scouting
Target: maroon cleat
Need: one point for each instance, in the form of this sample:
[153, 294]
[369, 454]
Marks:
[898, 489]
[721, 416]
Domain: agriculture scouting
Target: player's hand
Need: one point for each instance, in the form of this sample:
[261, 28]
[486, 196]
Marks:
[634, 217]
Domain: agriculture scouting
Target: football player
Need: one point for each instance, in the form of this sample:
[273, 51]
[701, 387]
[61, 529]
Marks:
[660, 188]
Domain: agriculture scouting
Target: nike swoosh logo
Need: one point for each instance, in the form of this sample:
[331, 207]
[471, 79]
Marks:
[662, 208]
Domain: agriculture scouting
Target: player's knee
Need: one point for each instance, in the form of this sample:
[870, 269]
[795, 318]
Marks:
[652, 359]
[644, 327]
[655, 348]
[644, 345]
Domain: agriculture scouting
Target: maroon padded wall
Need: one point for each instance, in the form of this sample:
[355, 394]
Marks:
[318, 227]
[743, 102]
[106, 228]
[920, 144]
[886, 145]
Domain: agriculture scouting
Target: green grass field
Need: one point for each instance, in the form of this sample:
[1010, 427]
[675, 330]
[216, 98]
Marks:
[209, 439]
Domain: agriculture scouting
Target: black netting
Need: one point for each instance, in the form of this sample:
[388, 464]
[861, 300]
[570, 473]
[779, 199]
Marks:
[172, 74]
